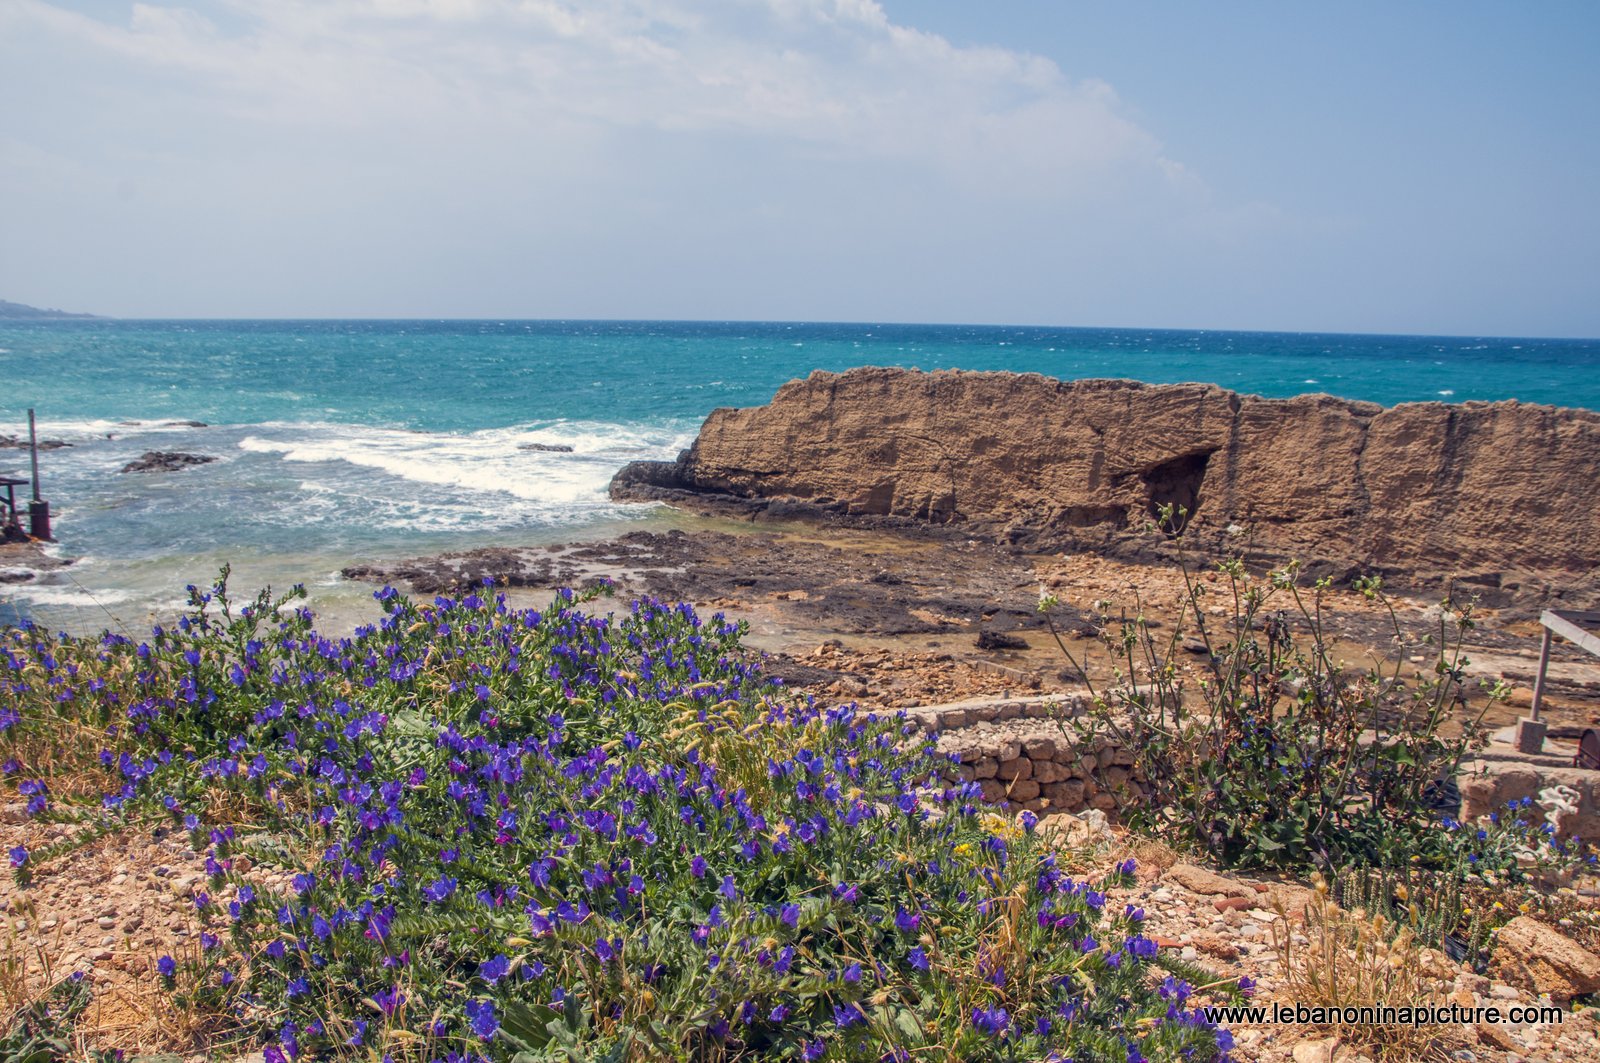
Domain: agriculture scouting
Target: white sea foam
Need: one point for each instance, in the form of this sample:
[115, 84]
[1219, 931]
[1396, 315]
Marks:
[79, 430]
[485, 461]
[49, 594]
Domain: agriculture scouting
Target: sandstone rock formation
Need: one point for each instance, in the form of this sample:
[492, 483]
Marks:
[1499, 494]
[1532, 956]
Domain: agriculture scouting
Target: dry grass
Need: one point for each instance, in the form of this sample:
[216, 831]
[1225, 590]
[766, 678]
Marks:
[63, 755]
[1352, 959]
[130, 1009]
[1150, 854]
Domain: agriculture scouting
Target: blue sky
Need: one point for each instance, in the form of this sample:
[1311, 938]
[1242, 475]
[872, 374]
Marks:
[1360, 167]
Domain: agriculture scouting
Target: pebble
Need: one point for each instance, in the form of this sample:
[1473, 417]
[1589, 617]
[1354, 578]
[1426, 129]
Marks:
[118, 880]
[1501, 991]
[105, 922]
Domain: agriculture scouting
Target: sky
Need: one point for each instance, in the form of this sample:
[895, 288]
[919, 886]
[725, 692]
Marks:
[1361, 167]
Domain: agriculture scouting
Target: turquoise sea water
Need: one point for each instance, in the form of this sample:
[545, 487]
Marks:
[346, 440]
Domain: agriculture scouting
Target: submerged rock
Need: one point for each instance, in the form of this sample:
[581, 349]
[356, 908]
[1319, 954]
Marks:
[21, 443]
[166, 461]
[550, 448]
[989, 639]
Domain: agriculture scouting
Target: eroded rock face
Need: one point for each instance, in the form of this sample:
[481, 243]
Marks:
[1500, 493]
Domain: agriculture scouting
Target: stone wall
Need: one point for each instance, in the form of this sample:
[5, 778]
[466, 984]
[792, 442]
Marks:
[1489, 785]
[1027, 754]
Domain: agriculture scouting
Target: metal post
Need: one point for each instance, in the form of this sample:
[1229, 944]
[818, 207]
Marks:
[1538, 680]
[1530, 729]
[33, 447]
[38, 509]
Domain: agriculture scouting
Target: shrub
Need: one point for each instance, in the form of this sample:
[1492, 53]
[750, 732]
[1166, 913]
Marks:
[1277, 755]
[476, 832]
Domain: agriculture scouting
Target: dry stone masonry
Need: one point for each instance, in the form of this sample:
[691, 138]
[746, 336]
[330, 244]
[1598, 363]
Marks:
[1027, 753]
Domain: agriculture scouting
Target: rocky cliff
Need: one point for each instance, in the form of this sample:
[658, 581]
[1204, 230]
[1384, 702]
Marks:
[1500, 494]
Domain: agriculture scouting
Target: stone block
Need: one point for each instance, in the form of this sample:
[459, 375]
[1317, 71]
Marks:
[985, 768]
[1016, 768]
[1022, 790]
[1049, 771]
[1537, 958]
[1482, 794]
[1039, 748]
[1068, 794]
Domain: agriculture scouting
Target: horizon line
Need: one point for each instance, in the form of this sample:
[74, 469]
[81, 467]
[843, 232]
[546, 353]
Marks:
[89, 319]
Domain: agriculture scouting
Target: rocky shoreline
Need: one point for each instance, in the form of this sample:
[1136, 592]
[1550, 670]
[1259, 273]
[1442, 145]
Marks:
[22, 562]
[1494, 496]
[900, 620]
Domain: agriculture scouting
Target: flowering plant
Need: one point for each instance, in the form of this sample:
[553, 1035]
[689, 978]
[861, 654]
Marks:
[472, 831]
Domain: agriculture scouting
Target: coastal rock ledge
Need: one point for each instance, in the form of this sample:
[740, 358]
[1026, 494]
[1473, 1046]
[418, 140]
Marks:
[1499, 495]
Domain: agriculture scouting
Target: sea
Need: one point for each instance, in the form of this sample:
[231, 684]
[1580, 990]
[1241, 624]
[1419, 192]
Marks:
[346, 441]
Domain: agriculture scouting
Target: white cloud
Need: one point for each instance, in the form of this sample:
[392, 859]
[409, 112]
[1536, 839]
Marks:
[834, 74]
[712, 152]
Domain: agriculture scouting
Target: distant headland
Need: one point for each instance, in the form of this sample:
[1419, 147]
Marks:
[23, 312]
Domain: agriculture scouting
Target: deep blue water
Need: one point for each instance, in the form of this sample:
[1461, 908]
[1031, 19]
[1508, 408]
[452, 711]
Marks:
[340, 440]
[453, 376]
